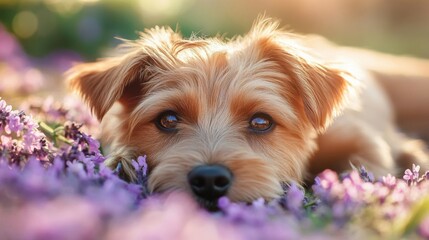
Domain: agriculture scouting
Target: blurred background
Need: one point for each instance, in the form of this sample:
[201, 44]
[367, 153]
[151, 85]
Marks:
[39, 39]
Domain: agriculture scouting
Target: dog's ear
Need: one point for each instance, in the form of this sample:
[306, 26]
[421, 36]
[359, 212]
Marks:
[320, 91]
[317, 89]
[324, 91]
[106, 81]
[121, 78]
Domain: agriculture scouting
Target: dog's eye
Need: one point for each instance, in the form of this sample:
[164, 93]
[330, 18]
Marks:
[167, 121]
[260, 123]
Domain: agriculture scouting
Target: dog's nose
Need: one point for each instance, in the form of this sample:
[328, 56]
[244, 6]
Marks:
[210, 182]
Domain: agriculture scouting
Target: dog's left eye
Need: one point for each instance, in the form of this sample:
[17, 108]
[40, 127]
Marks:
[167, 121]
[261, 123]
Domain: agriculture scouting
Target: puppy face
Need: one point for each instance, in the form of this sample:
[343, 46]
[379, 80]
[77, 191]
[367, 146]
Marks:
[252, 106]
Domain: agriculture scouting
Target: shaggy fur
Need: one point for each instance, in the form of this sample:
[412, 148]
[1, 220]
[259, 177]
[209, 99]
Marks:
[217, 85]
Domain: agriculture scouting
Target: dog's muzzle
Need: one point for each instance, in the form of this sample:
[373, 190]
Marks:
[210, 182]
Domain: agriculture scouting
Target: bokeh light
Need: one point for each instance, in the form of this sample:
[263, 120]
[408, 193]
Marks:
[50, 34]
[25, 24]
[68, 7]
[161, 9]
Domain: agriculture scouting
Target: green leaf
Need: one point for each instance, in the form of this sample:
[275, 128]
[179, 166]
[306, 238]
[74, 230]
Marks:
[419, 211]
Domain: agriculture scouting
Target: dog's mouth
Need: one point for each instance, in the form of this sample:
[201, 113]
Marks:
[209, 205]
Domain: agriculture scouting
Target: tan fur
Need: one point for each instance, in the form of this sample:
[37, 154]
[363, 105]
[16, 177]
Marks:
[216, 85]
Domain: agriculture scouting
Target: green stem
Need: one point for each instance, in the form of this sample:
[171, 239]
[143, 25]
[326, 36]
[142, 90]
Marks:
[310, 204]
[54, 133]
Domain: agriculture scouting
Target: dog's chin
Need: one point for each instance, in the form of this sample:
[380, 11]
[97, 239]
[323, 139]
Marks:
[209, 205]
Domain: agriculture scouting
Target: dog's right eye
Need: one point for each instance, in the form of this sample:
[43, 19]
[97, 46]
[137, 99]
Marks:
[261, 123]
[167, 121]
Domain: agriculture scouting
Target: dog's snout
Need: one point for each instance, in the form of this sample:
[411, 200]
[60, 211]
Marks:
[210, 182]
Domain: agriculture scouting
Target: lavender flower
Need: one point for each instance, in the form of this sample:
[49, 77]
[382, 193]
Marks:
[389, 180]
[412, 176]
[141, 170]
[408, 175]
[294, 200]
[365, 175]
[18, 74]
[20, 137]
[70, 110]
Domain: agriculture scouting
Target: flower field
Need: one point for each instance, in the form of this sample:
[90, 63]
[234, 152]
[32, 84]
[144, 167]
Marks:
[53, 185]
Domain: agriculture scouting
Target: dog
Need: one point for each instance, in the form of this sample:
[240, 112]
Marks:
[241, 117]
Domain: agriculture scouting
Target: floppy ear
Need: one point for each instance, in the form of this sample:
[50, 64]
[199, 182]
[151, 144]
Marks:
[323, 90]
[120, 78]
[106, 81]
[317, 90]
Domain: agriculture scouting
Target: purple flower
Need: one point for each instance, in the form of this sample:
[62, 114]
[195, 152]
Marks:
[141, 170]
[325, 184]
[9, 43]
[105, 172]
[294, 199]
[416, 170]
[93, 144]
[365, 175]
[57, 164]
[223, 202]
[140, 164]
[412, 176]
[77, 168]
[14, 123]
[408, 175]
[389, 180]
[258, 203]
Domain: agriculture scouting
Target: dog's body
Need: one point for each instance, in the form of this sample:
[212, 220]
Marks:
[241, 117]
[393, 91]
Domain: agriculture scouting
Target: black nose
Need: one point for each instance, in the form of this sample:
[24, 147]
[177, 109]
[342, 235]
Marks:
[210, 182]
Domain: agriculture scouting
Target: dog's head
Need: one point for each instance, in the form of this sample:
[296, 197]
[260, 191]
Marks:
[215, 117]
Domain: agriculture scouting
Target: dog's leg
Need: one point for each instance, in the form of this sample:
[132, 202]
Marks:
[352, 141]
[406, 150]
[124, 156]
[406, 83]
